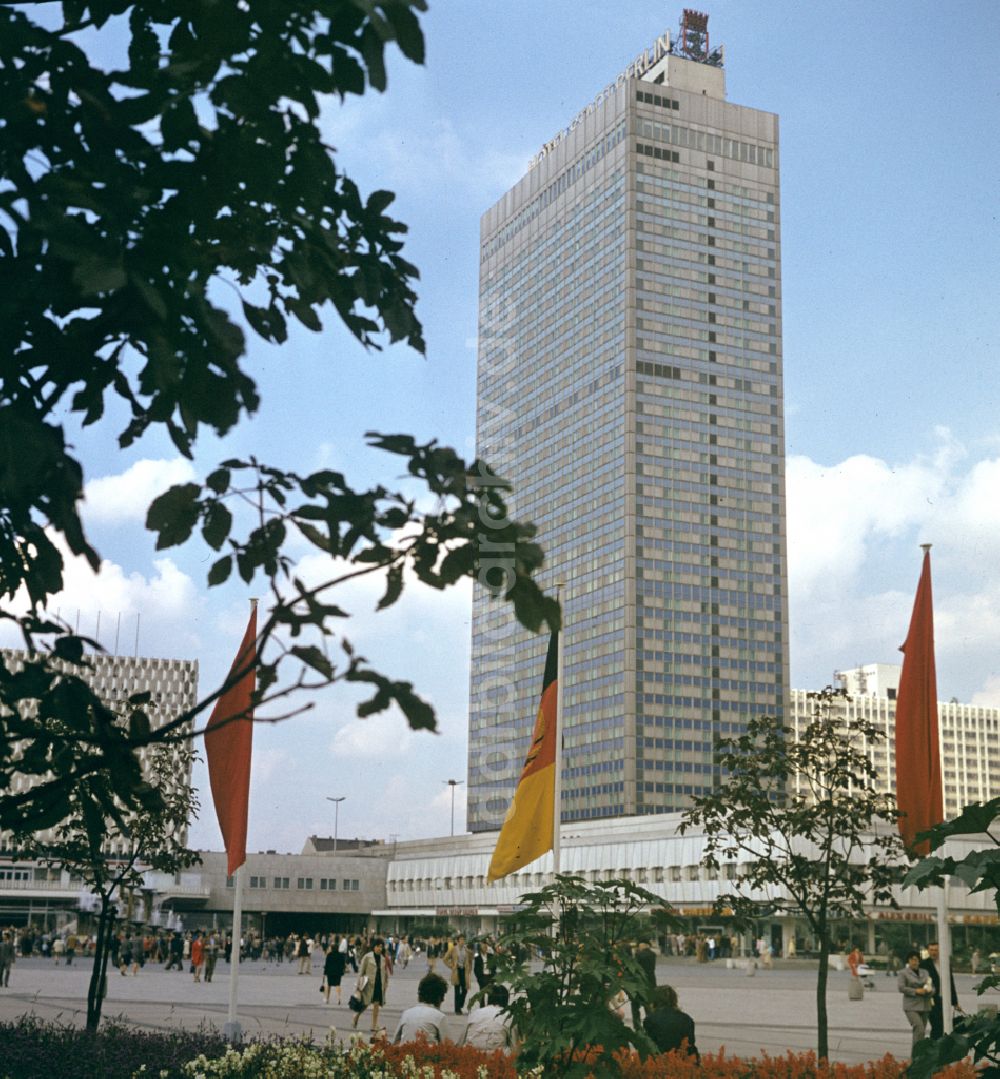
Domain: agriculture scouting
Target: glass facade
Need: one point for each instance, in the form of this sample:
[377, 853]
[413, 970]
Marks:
[630, 388]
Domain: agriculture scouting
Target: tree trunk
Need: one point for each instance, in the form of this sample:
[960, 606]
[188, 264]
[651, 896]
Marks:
[822, 1038]
[98, 976]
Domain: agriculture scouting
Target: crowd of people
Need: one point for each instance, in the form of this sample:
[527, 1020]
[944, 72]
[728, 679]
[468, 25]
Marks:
[367, 964]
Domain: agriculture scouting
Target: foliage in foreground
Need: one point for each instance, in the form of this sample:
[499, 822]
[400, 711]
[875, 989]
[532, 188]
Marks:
[32, 1049]
[167, 194]
[585, 933]
[979, 871]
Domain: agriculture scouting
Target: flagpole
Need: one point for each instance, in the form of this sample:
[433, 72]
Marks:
[944, 957]
[557, 779]
[232, 1031]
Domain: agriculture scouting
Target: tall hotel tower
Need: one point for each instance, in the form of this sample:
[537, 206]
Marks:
[630, 387]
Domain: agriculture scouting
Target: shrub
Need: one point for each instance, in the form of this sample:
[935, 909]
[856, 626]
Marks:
[33, 1049]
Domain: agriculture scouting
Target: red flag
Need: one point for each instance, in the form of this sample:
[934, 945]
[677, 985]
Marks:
[228, 742]
[918, 760]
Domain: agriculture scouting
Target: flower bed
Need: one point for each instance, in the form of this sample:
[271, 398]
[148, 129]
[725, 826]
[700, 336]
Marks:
[31, 1049]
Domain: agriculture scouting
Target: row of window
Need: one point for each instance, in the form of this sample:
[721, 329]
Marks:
[747, 152]
[565, 179]
[304, 884]
[641, 875]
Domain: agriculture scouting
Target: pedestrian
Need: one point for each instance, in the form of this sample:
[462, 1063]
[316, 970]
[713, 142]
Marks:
[6, 957]
[333, 968]
[646, 958]
[482, 965]
[176, 948]
[425, 1018]
[489, 1027]
[975, 959]
[304, 952]
[936, 1016]
[458, 959]
[211, 956]
[915, 984]
[197, 955]
[433, 953]
[668, 1026]
[373, 982]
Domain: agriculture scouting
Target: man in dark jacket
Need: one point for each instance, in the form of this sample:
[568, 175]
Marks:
[646, 958]
[668, 1026]
[937, 1008]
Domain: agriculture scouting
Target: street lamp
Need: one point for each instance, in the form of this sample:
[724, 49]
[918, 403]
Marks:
[336, 818]
[453, 783]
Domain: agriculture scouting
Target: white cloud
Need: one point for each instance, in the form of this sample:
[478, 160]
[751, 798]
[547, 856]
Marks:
[376, 738]
[422, 158]
[126, 497]
[114, 606]
[854, 530]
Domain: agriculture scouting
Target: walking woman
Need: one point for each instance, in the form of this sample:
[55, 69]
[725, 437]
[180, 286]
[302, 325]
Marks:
[373, 981]
[333, 968]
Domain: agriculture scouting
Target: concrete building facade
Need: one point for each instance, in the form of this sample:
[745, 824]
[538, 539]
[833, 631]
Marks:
[630, 387]
[968, 734]
[29, 891]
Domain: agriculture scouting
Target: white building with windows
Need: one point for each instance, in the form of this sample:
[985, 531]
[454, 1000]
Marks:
[630, 388]
[968, 734]
[29, 892]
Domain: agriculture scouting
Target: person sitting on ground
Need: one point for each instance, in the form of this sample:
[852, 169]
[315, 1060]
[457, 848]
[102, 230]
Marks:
[425, 1017]
[667, 1025]
[489, 1027]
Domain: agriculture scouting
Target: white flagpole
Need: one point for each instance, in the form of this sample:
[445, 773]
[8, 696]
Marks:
[232, 1031]
[557, 779]
[944, 957]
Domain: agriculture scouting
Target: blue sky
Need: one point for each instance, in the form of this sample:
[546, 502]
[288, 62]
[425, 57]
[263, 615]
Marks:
[889, 114]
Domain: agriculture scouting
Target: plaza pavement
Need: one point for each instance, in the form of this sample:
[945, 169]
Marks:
[773, 1010]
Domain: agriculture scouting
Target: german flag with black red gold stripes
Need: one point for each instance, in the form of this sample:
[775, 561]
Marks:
[527, 829]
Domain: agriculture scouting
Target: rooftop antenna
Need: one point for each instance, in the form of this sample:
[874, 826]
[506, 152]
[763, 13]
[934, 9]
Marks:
[692, 42]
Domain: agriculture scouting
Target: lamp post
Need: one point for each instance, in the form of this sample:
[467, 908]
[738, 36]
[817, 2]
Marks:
[336, 818]
[453, 783]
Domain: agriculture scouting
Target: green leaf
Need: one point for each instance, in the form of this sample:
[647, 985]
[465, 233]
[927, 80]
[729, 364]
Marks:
[393, 587]
[97, 275]
[139, 727]
[216, 525]
[267, 321]
[174, 514]
[314, 535]
[313, 657]
[218, 481]
[220, 571]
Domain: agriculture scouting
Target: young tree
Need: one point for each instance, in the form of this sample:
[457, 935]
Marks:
[814, 835]
[585, 934]
[111, 854]
[150, 154]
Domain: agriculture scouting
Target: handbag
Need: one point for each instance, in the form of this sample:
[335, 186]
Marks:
[355, 1003]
